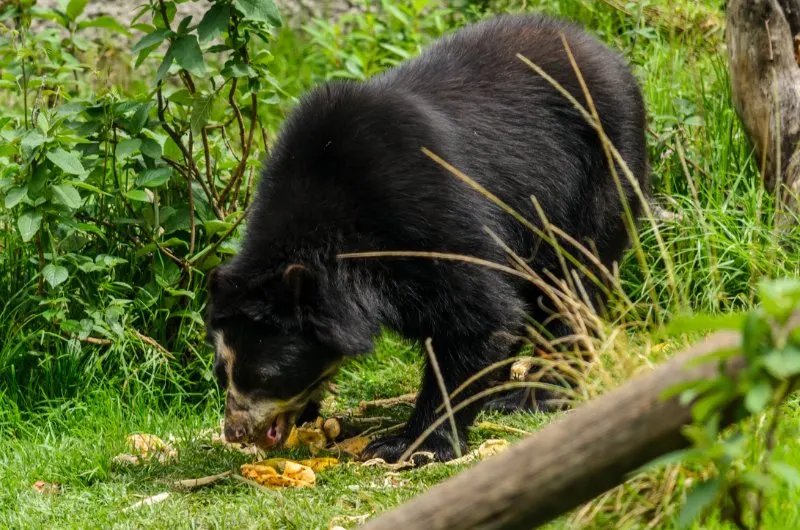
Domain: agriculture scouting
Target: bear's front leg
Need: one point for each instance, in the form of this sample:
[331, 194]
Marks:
[457, 363]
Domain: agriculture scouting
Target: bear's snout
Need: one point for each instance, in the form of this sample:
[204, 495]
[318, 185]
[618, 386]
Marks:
[235, 432]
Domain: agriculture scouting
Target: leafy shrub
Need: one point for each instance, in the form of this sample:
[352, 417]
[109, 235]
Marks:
[121, 197]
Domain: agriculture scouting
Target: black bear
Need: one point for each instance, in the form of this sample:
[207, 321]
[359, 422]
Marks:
[348, 174]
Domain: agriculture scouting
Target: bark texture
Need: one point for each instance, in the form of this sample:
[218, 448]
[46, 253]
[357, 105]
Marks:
[765, 83]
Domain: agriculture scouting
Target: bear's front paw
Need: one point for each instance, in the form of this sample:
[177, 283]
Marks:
[391, 448]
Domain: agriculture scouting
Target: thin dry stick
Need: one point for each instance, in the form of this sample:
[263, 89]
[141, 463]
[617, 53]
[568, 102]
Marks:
[614, 280]
[497, 201]
[469, 401]
[192, 483]
[546, 224]
[405, 399]
[207, 155]
[497, 427]
[433, 255]
[90, 340]
[443, 389]
[152, 342]
[477, 376]
[618, 157]
[606, 144]
[539, 232]
[254, 484]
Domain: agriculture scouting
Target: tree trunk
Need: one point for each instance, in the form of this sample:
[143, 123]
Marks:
[587, 452]
[765, 83]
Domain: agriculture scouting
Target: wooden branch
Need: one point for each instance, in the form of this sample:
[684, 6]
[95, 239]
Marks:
[585, 453]
[765, 84]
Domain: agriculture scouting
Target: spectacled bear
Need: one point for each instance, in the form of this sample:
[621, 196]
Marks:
[348, 174]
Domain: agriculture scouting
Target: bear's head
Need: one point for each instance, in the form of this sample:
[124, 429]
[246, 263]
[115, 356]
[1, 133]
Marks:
[277, 338]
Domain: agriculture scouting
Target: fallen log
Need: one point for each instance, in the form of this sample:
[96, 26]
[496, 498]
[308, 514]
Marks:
[582, 455]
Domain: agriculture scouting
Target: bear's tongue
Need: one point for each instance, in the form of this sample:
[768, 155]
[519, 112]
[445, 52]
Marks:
[275, 432]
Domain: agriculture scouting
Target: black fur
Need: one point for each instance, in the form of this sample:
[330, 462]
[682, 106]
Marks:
[347, 174]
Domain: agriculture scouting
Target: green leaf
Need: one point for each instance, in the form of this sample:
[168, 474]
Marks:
[171, 149]
[169, 57]
[151, 39]
[42, 123]
[214, 22]
[127, 147]
[710, 403]
[215, 226]
[700, 497]
[138, 195]
[105, 22]
[67, 195]
[786, 472]
[704, 322]
[780, 297]
[75, 8]
[693, 121]
[398, 14]
[259, 11]
[151, 149]
[757, 335]
[139, 118]
[758, 397]
[15, 196]
[181, 96]
[397, 51]
[171, 10]
[184, 24]
[235, 67]
[30, 141]
[200, 112]
[189, 55]
[783, 363]
[144, 54]
[67, 161]
[29, 224]
[37, 182]
[153, 178]
[675, 457]
[55, 275]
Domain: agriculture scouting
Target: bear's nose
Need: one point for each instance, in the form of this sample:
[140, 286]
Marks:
[235, 433]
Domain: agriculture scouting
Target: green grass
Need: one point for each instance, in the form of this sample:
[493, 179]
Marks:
[66, 407]
[73, 443]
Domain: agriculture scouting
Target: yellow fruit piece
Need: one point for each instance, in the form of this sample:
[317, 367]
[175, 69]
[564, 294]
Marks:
[318, 464]
[306, 437]
[300, 473]
[354, 446]
[291, 440]
[492, 447]
[284, 473]
[145, 447]
[146, 443]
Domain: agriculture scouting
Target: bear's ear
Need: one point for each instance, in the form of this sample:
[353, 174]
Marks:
[302, 286]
